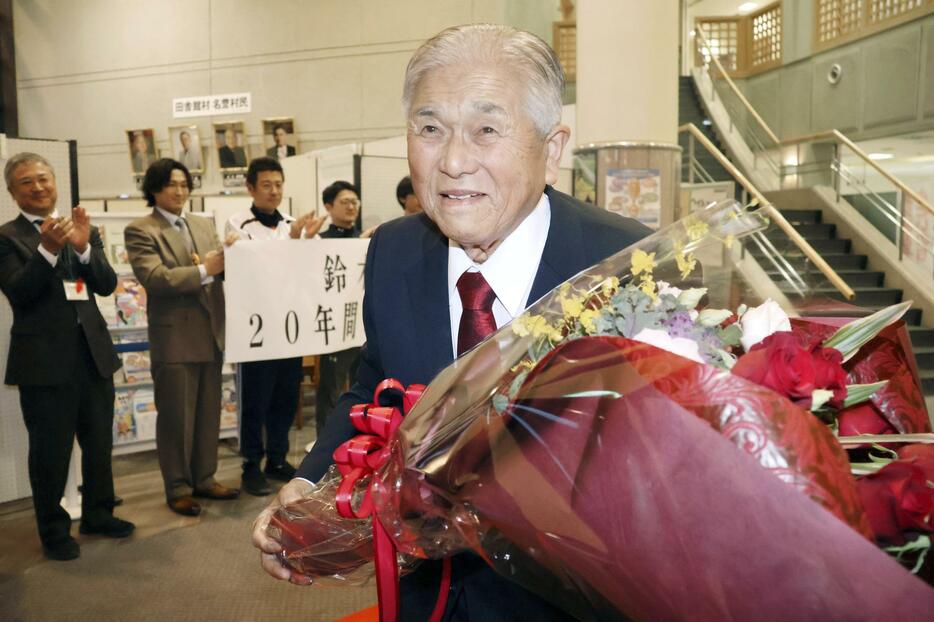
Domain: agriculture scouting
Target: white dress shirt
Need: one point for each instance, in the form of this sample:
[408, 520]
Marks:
[173, 218]
[52, 258]
[247, 227]
[510, 270]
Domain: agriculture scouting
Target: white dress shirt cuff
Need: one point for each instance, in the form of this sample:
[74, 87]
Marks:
[50, 257]
[205, 277]
[85, 257]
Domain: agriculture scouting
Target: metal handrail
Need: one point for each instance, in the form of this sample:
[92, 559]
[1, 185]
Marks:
[772, 212]
[742, 98]
[832, 134]
[842, 138]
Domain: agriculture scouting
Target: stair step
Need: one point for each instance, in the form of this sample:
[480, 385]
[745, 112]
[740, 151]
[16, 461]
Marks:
[853, 278]
[837, 261]
[865, 297]
[801, 215]
[912, 317]
[927, 382]
[817, 230]
[925, 358]
[789, 248]
[921, 336]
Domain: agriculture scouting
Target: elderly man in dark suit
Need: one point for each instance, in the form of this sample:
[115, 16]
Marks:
[484, 144]
[61, 355]
[178, 259]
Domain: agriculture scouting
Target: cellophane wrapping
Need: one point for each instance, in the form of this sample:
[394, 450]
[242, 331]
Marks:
[616, 478]
[318, 543]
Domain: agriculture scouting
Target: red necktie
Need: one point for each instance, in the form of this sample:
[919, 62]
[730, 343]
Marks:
[477, 321]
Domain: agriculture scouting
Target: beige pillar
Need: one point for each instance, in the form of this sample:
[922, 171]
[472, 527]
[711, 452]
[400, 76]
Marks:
[627, 70]
[627, 104]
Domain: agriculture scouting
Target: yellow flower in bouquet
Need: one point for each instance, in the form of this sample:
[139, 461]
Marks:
[642, 262]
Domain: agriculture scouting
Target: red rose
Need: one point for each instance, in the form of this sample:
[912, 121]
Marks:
[920, 455]
[897, 499]
[863, 419]
[829, 373]
[779, 363]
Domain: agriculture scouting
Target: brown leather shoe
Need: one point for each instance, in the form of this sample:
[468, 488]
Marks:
[186, 506]
[216, 491]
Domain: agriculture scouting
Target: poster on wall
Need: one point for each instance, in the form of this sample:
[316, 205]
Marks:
[185, 145]
[279, 137]
[142, 144]
[698, 196]
[230, 140]
[635, 192]
[585, 176]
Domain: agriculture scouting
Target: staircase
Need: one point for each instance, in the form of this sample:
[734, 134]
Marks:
[690, 111]
[869, 285]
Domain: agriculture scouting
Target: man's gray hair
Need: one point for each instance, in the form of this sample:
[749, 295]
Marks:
[533, 59]
[22, 158]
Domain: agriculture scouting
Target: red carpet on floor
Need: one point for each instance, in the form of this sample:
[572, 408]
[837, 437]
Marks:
[364, 615]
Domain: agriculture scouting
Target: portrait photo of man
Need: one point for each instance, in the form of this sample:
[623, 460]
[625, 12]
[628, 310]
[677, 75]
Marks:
[230, 138]
[142, 149]
[186, 145]
[279, 137]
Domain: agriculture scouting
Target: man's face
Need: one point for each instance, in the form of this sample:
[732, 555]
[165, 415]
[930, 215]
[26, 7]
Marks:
[478, 164]
[173, 196]
[32, 186]
[344, 209]
[139, 143]
[185, 140]
[411, 205]
[279, 135]
[230, 139]
[267, 193]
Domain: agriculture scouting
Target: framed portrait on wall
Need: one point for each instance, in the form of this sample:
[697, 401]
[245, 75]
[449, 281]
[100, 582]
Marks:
[142, 144]
[185, 146]
[230, 140]
[279, 137]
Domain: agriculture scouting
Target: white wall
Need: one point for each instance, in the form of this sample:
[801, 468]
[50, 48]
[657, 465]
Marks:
[90, 70]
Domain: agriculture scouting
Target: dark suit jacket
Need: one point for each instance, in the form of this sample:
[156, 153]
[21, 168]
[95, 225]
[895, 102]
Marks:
[42, 344]
[405, 307]
[408, 329]
[232, 158]
[186, 319]
[289, 151]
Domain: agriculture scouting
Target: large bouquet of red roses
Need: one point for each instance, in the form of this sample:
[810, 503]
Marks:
[632, 446]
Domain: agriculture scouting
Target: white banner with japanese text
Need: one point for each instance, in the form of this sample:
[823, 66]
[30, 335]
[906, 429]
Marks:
[208, 105]
[289, 298]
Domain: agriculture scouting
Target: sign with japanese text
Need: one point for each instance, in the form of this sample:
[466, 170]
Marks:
[289, 298]
[207, 105]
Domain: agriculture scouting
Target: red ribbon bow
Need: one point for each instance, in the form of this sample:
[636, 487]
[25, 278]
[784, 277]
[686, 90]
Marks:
[361, 457]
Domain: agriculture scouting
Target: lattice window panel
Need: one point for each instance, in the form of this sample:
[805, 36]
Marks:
[565, 45]
[836, 18]
[723, 39]
[884, 10]
[767, 37]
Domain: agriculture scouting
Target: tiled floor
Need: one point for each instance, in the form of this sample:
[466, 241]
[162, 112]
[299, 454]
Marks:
[188, 556]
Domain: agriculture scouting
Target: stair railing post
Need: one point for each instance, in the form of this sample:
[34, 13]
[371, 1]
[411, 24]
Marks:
[690, 158]
[836, 169]
[901, 226]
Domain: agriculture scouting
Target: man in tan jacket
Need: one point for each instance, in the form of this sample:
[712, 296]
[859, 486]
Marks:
[178, 259]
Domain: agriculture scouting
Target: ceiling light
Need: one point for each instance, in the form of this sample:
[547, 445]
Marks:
[881, 156]
[746, 7]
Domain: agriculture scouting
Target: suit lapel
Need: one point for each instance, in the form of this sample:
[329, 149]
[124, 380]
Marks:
[563, 256]
[202, 242]
[427, 282]
[27, 236]
[173, 239]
